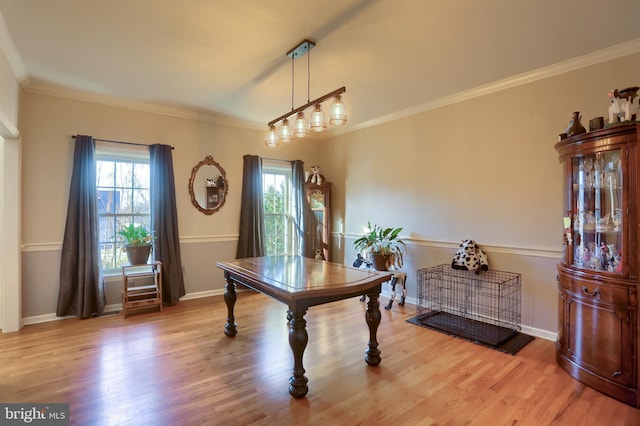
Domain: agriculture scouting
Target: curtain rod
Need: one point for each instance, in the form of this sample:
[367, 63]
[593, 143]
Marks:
[277, 159]
[121, 142]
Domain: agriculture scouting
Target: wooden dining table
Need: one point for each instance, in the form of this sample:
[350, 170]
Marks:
[300, 283]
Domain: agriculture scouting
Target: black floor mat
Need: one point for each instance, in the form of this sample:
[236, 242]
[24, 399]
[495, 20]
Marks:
[511, 345]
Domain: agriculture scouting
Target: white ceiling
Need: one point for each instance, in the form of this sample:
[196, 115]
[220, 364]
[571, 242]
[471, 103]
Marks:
[227, 59]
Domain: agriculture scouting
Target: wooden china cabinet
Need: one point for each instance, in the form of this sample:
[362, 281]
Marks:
[320, 201]
[598, 276]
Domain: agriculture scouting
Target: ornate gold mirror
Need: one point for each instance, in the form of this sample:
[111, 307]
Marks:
[208, 186]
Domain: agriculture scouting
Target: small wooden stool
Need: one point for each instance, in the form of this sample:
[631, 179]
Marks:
[141, 287]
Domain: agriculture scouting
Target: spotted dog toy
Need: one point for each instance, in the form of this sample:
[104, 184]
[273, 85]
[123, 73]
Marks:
[470, 257]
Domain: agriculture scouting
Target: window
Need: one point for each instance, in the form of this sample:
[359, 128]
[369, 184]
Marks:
[278, 218]
[123, 193]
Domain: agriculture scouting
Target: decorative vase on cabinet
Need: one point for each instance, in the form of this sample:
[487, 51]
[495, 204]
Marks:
[597, 340]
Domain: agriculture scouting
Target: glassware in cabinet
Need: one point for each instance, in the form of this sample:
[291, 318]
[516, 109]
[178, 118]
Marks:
[597, 212]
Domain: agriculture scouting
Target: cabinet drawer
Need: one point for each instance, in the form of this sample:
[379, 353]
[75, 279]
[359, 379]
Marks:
[597, 291]
[601, 292]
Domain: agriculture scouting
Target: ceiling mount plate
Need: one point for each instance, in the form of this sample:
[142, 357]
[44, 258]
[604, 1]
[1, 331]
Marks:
[303, 47]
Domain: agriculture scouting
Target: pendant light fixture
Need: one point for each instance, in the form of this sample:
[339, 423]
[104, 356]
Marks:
[272, 137]
[301, 126]
[337, 112]
[284, 132]
[317, 121]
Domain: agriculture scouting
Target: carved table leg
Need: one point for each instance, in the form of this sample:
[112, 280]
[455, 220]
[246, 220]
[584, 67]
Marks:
[230, 328]
[298, 341]
[373, 321]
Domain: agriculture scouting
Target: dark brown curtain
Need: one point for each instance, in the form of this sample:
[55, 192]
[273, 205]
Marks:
[81, 292]
[251, 241]
[164, 221]
[305, 222]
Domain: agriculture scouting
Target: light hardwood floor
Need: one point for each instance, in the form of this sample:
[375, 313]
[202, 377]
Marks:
[178, 368]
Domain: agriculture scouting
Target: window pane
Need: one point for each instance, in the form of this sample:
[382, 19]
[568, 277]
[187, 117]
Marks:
[105, 172]
[124, 175]
[123, 198]
[141, 200]
[126, 202]
[276, 193]
[141, 176]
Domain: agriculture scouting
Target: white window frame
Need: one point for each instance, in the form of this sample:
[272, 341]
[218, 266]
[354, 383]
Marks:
[122, 153]
[277, 168]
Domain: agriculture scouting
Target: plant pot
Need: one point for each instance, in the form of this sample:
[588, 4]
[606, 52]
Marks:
[138, 255]
[381, 262]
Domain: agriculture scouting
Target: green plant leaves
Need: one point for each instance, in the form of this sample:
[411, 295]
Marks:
[136, 235]
[383, 241]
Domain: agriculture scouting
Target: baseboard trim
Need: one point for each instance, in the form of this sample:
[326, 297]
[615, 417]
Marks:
[116, 307]
[201, 294]
[37, 319]
[531, 331]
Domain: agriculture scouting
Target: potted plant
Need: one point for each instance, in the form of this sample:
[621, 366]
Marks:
[138, 243]
[383, 246]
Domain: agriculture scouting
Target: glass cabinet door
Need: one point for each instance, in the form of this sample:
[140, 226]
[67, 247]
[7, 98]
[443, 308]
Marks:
[598, 217]
[317, 202]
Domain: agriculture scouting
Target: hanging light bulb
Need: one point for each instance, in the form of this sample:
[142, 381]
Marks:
[284, 133]
[271, 141]
[318, 120]
[301, 126]
[337, 112]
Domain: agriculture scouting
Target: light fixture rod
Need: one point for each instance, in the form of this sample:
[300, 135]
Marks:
[308, 104]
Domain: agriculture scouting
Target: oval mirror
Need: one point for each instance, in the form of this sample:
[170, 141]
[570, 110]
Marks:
[208, 186]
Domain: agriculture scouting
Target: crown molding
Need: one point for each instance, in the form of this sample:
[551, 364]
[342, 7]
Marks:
[619, 50]
[45, 88]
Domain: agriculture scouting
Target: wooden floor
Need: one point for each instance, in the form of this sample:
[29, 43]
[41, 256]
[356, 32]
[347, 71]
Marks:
[178, 368]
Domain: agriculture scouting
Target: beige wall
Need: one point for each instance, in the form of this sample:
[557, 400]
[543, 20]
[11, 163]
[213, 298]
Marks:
[484, 169]
[47, 124]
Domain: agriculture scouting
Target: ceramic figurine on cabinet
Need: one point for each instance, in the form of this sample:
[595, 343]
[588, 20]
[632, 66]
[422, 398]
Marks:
[624, 105]
[316, 177]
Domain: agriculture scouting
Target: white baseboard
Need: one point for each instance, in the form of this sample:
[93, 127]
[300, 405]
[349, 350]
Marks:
[116, 307]
[531, 331]
[44, 318]
[543, 334]
[201, 294]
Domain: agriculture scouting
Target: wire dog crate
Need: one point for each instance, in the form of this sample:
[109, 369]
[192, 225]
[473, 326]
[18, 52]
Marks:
[483, 307]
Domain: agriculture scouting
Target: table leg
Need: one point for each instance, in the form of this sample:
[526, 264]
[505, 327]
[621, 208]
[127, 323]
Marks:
[373, 321]
[230, 328]
[298, 341]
